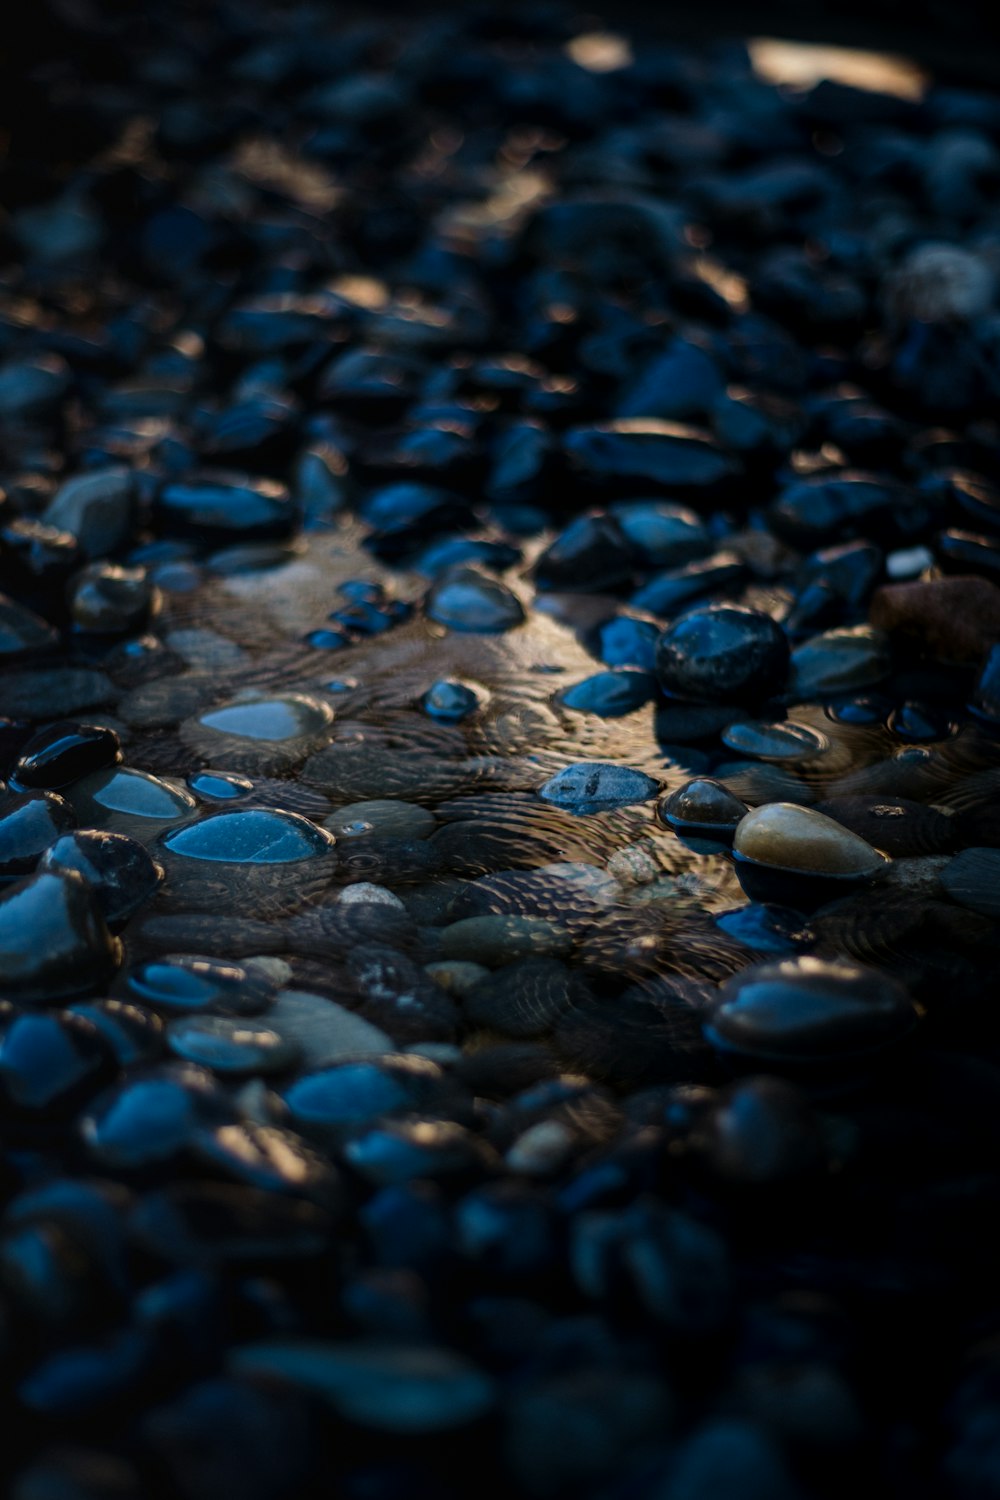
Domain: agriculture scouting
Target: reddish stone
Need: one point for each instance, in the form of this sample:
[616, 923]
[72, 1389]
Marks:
[956, 619]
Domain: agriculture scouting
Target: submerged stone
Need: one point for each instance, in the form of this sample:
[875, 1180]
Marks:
[597, 786]
[799, 838]
[255, 836]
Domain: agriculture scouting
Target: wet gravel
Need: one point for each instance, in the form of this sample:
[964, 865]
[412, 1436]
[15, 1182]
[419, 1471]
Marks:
[500, 830]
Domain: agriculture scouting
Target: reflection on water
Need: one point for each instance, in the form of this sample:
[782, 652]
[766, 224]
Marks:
[802, 64]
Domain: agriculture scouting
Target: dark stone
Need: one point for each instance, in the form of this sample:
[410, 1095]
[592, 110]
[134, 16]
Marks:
[63, 752]
[724, 652]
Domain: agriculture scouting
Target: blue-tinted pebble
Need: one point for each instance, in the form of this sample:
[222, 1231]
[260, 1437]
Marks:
[449, 702]
[218, 786]
[465, 600]
[626, 642]
[184, 984]
[597, 786]
[256, 836]
[121, 873]
[610, 694]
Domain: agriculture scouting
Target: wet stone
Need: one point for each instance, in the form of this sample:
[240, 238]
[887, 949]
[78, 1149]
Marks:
[494, 940]
[807, 1010]
[53, 939]
[972, 879]
[323, 1031]
[627, 642]
[222, 508]
[218, 786]
[596, 786]
[63, 752]
[799, 838]
[389, 1387]
[119, 870]
[153, 1114]
[96, 508]
[896, 825]
[255, 836]
[723, 652]
[229, 1046]
[256, 734]
[610, 694]
[106, 599]
[465, 600]
[31, 695]
[702, 807]
[128, 801]
[29, 823]
[592, 555]
[51, 1062]
[340, 1100]
[449, 702]
[778, 742]
[182, 984]
[131, 1033]
[839, 661]
[384, 818]
[22, 632]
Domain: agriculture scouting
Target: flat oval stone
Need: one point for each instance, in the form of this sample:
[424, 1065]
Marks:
[53, 939]
[663, 535]
[785, 741]
[323, 1031]
[799, 838]
[809, 1009]
[29, 823]
[610, 694]
[230, 1046]
[596, 786]
[390, 1387]
[153, 1114]
[120, 871]
[62, 752]
[469, 601]
[51, 1062]
[270, 718]
[128, 801]
[186, 984]
[972, 879]
[724, 652]
[218, 786]
[253, 836]
[132, 1033]
[224, 507]
[383, 817]
[351, 1094]
[838, 661]
[496, 940]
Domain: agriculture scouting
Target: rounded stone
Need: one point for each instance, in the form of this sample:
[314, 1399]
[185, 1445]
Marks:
[724, 652]
[28, 825]
[124, 800]
[258, 734]
[252, 836]
[62, 752]
[119, 870]
[382, 817]
[806, 1010]
[53, 939]
[702, 806]
[472, 602]
[799, 838]
[188, 985]
[230, 1046]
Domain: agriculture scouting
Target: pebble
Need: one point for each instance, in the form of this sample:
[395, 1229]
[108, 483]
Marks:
[723, 652]
[229, 1046]
[449, 702]
[125, 800]
[71, 950]
[803, 1010]
[120, 871]
[63, 752]
[392, 1388]
[799, 838]
[106, 599]
[971, 879]
[323, 1031]
[466, 600]
[29, 823]
[364, 893]
[385, 818]
[595, 786]
[957, 618]
[97, 508]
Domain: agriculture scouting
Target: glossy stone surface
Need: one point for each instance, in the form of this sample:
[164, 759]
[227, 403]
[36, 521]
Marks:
[722, 653]
[120, 871]
[53, 939]
[64, 752]
[128, 801]
[469, 601]
[807, 1009]
[703, 805]
[29, 823]
[254, 836]
[798, 838]
[594, 787]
